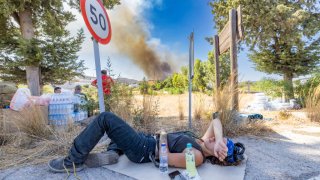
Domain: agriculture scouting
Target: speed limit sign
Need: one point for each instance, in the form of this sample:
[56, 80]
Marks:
[96, 19]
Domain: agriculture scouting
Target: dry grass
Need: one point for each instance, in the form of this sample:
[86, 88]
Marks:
[199, 107]
[34, 141]
[231, 122]
[180, 108]
[313, 105]
[284, 115]
[144, 118]
[33, 122]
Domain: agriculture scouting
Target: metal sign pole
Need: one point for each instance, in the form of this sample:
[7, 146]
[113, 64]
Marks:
[191, 56]
[98, 72]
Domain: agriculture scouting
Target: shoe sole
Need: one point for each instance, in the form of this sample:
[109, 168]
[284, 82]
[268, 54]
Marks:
[101, 159]
[64, 170]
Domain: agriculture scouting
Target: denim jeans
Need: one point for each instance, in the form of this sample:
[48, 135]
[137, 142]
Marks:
[136, 146]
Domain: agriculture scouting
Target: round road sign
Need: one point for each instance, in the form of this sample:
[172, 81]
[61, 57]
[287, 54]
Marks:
[96, 19]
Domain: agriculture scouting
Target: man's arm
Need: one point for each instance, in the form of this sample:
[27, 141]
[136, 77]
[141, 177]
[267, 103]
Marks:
[178, 159]
[215, 130]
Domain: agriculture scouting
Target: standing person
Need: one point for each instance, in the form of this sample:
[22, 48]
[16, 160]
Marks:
[78, 92]
[107, 82]
[81, 98]
[57, 90]
[140, 148]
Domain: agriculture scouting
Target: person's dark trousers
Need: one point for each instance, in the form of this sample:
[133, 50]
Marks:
[136, 146]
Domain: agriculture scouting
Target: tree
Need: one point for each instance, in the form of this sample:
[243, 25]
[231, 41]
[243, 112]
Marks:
[199, 74]
[35, 46]
[224, 62]
[179, 81]
[282, 35]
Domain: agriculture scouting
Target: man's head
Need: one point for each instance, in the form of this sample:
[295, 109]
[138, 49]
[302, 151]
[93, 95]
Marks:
[77, 89]
[57, 90]
[104, 72]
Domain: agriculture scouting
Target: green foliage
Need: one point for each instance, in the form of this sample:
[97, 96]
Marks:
[224, 62]
[47, 89]
[179, 81]
[271, 87]
[303, 90]
[144, 86]
[92, 104]
[120, 100]
[282, 35]
[198, 81]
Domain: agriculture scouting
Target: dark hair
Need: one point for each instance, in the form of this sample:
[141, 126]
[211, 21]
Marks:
[104, 72]
[57, 88]
[78, 87]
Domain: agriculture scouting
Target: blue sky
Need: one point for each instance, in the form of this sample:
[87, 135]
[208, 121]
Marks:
[169, 23]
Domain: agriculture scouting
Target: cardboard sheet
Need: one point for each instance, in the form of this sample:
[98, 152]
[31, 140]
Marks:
[148, 171]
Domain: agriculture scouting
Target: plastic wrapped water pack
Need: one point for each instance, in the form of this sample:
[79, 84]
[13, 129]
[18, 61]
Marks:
[259, 103]
[60, 109]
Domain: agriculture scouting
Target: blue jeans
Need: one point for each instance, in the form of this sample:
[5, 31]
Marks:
[136, 146]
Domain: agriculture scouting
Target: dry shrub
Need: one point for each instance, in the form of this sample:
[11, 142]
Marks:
[121, 101]
[180, 107]
[313, 104]
[4, 135]
[33, 121]
[144, 118]
[284, 115]
[199, 106]
[230, 120]
[30, 149]
[35, 142]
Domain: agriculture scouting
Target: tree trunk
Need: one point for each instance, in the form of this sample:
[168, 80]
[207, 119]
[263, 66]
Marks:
[27, 31]
[288, 86]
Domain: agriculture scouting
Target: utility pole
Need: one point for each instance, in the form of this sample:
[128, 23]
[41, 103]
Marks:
[191, 64]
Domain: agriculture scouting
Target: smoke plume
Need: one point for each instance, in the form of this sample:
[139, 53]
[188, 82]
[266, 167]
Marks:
[131, 37]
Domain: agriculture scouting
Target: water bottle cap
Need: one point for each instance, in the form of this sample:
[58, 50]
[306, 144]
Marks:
[189, 145]
[163, 144]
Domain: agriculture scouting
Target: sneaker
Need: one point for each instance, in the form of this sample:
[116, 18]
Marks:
[101, 159]
[58, 165]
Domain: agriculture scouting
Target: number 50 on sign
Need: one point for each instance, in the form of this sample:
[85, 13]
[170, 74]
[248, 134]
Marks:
[96, 19]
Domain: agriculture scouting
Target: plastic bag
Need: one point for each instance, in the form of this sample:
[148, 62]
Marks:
[21, 99]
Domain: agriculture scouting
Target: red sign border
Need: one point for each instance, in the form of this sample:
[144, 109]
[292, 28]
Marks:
[95, 36]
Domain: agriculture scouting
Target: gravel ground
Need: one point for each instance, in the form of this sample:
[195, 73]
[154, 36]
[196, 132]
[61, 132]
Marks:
[286, 154]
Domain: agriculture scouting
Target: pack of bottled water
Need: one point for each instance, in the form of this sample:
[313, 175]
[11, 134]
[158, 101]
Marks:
[60, 109]
[80, 115]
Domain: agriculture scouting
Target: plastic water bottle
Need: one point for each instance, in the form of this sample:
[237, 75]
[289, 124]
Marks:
[163, 159]
[190, 162]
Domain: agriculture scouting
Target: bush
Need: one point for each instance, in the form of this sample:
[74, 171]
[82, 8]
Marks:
[120, 100]
[144, 117]
[313, 104]
[304, 90]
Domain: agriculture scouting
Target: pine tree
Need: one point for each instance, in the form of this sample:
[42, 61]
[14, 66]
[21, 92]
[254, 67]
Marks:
[35, 47]
[283, 36]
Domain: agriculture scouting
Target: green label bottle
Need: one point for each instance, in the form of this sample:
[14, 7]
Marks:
[190, 162]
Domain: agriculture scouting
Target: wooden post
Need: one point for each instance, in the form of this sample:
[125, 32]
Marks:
[217, 70]
[216, 60]
[233, 59]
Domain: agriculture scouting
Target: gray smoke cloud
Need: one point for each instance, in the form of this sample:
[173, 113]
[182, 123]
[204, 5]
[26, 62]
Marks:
[130, 36]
